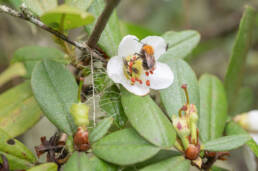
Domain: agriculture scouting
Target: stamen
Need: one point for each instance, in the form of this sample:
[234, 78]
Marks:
[151, 72]
[132, 81]
[184, 87]
[147, 73]
[140, 81]
[148, 83]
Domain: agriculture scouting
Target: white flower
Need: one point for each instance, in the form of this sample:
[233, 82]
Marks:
[249, 121]
[136, 66]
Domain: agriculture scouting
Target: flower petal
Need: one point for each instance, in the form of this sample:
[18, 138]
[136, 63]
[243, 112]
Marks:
[158, 43]
[129, 45]
[136, 89]
[252, 120]
[162, 77]
[115, 69]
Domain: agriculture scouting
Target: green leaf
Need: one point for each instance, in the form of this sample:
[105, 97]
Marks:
[180, 44]
[226, 143]
[174, 163]
[245, 105]
[15, 3]
[137, 30]
[30, 55]
[13, 71]
[18, 110]
[99, 165]
[148, 119]
[215, 168]
[213, 108]
[160, 156]
[66, 17]
[77, 162]
[82, 4]
[100, 130]
[13, 150]
[111, 36]
[39, 7]
[44, 167]
[55, 89]
[235, 71]
[173, 97]
[110, 102]
[16, 163]
[124, 147]
[81, 162]
[233, 128]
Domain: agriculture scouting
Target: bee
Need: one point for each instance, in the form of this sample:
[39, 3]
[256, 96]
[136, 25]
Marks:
[147, 55]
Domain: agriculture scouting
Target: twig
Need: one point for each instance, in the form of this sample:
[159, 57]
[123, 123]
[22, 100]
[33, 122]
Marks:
[37, 22]
[101, 22]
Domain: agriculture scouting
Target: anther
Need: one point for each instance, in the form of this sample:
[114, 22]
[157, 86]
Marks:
[147, 74]
[151, 72]
[132, 80]
[148, 83]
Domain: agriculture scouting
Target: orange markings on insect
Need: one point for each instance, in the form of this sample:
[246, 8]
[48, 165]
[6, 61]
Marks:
[148, 49]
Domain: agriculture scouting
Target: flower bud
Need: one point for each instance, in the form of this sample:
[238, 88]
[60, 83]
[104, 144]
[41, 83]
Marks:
[80, 112]
[248, 120]
[181, 126]
[182, 129]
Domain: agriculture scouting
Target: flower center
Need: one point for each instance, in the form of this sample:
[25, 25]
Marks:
[134, 70]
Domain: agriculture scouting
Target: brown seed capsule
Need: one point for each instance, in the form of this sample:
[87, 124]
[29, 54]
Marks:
[81, 140]
[192, 152]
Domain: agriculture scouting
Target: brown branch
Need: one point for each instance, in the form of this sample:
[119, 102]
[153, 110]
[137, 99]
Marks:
[32, 19]
[101, 22]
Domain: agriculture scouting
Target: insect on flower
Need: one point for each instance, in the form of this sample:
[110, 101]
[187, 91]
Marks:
[136, 66]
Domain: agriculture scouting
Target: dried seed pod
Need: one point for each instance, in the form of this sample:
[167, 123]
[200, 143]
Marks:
[192, 152]
[81, 140]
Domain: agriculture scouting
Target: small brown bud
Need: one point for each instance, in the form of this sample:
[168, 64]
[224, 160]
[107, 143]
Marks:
[192, 152]
[81, 140]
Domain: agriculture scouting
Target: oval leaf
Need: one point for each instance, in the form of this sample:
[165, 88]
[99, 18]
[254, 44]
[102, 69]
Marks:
[13, 150]
[124, 147]
[233, 128]
[16, 163]
[174, 163]
[173, 97]
[55, 90]
[100, 130]
[213, 108]
[110, 102]
[44, 167]
[30, 55]
[78, 161]
[81, 162]
[66, 17]
[18, 110]
[226, 143]
[148, 119]
[39, 7]
[243, 42]
[180, 44]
